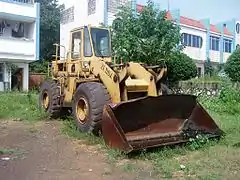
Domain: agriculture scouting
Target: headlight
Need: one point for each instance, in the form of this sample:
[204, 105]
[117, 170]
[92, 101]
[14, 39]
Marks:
[85, 64]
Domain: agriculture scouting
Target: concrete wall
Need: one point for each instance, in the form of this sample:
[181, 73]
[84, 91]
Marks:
[237, 27]
[81, 18]
[195, 52]
[25, 48]
[12, 9]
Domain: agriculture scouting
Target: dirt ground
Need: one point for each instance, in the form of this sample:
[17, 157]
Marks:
[40, 152]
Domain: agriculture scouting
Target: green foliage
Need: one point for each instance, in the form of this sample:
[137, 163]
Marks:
[49, 27]
[198, 142]
[145, 38]
[20, 106]
[40, 66]
[228, 101]
[208, 67]
[232, 66]
[180, 67]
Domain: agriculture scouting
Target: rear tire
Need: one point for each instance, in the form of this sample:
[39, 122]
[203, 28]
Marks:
[88, 103]
[49, 99]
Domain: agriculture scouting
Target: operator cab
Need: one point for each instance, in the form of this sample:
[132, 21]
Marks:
[90, 42]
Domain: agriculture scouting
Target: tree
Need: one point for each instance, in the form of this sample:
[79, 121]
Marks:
[208, 68]
[232, 66]
[49, 27]
[49, 32]
[147, 37]
[180, 67]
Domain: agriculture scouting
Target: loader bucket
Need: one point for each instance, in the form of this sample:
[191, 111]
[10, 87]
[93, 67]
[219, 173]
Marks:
[155, 121]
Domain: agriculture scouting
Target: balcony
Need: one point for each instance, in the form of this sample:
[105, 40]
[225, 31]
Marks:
[21, 10]
[17, 40]
[16, 48]
[20, 1]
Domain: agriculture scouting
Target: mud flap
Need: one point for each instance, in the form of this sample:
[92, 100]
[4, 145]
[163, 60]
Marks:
[155, 121]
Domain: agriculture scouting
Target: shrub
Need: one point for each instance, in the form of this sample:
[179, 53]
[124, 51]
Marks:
[232, 66]
[208, 67]
[180, 67]
[227, 102]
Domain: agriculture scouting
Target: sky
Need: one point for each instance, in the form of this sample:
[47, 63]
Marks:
[216, 10]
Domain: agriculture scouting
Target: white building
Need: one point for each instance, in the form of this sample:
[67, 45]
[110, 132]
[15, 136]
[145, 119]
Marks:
[202, 39]
[94, 12]
[19, 39]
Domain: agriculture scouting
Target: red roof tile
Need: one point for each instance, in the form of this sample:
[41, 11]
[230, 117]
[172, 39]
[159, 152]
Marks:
[226, 31]
[169, 16]
[139, 8]
[214, 29]
[190, 22]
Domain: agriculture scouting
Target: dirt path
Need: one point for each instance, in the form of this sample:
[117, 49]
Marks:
[40, 152]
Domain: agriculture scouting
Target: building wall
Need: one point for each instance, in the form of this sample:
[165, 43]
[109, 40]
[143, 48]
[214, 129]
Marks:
[18, 48]
[237, 31]
[112, 8]
[76, 15]
[17, 10]
[197, 49]
[24, 48]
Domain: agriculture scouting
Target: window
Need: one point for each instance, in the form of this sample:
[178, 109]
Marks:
[214, 43]
[76, 45]
[192, 40]
[18, 30]
[91, 7]
[113, 5]
[1, 72]
[87, 44]
[227, 45]
[238, 28]
[67, 15]
[100, 39]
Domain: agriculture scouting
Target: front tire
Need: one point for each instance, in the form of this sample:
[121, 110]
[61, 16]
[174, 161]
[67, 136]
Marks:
[88, 103]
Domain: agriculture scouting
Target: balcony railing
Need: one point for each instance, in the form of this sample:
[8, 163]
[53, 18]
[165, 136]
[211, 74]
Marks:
[19, 1]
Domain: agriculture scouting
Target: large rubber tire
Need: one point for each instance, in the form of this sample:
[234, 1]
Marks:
[49, 89]
[165, 89]
[93, 96]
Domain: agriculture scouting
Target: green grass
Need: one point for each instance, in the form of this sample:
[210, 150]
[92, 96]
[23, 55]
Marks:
[211, 160]
[20, 106]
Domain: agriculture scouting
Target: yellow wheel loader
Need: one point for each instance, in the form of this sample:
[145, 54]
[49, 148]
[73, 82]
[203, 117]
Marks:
[128, 103]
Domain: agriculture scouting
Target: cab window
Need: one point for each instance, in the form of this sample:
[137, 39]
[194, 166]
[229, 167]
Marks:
[76, 45]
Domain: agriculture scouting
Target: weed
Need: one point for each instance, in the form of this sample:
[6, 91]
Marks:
[23, 106]
[201, 158]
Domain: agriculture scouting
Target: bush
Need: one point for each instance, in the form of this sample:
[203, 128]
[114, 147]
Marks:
[40, 66]
[232, 66]
[180, 67]
[226, 103]
[208, 67]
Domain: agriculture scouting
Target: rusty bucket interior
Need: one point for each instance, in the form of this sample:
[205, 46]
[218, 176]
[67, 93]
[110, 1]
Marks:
[155, 121]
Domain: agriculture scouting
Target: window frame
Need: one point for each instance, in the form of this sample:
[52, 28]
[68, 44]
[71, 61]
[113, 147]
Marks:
[1, 72]
[72, 45]
[192, 40]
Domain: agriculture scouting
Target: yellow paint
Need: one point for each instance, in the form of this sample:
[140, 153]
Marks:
[118, 79]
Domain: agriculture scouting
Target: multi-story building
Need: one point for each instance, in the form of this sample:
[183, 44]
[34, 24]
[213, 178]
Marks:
[19, 40]
[202, 39]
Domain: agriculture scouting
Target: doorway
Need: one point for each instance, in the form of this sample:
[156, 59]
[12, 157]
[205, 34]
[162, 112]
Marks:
[17, 79]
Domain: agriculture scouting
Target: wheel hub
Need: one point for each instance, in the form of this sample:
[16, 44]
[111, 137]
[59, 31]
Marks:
[82, 110]
[45, 100]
